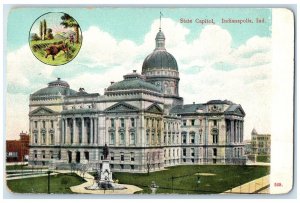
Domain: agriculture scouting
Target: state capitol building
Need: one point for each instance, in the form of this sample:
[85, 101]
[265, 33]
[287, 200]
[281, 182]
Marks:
[142, 119]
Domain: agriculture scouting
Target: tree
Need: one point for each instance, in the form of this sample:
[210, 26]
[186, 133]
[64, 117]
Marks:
[45, 29]
[41, 30]
[68, 21]
[34, 37]
[49, 34]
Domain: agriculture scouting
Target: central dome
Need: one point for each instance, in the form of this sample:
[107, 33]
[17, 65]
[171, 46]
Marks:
[159, 58]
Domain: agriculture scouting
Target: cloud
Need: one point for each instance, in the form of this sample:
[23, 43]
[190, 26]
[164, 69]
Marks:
[210, 68]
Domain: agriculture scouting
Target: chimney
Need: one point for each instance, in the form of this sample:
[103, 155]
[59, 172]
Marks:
[58, 78]
[112, 82]
[134, 71]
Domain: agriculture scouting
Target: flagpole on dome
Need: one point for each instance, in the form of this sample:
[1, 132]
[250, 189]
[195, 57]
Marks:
[160, 15]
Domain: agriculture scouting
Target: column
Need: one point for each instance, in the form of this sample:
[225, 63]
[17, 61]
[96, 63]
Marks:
[91, 130]
[231, 131]
[238, 131]
[83, 136]
[67, 132]
[242, 131]
[62, 131]
[96, 130]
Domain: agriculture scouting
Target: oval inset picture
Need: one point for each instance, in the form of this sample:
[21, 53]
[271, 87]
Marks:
[55, 38]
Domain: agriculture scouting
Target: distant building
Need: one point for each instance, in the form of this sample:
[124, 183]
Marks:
[18, 150]
[260, 143]
[248, 147]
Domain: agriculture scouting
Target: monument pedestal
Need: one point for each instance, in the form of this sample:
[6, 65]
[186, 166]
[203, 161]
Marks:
[106, 174]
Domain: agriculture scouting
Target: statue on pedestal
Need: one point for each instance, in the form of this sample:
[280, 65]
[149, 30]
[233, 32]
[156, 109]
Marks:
[105, 151]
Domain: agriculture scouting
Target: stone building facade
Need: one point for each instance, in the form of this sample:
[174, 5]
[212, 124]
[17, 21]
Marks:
[260, 143]
[142, 119]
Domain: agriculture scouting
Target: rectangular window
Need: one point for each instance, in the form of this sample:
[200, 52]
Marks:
[132, 167]
[215, 122]
[184, 160]
[122, 123]
[192, 152]
[193, 122]
[193, 160]
[43, 154]
[111, 166]
[122, 166]
[35, 154]
[51, 154]
[132, 156]
[215, 152]
[112, 156]
[184, 122]
[184, 152]
[112, 123]
[44, 124]
[122, 156]
[51, 124]
[35, 124]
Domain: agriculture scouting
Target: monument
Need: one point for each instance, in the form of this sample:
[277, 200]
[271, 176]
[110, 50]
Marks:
[103, 180]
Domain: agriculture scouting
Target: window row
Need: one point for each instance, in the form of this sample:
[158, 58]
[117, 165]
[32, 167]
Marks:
[44, 124]
[44, 138]
[112, 138]
[122, 122]
[122, 156]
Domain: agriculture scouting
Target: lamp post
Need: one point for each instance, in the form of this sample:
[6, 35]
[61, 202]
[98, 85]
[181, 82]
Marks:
[49, 172]
[198, 183]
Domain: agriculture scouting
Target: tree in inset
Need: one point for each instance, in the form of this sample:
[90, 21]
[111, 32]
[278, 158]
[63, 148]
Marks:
[41, 30]
[68, 21]
[45, 29]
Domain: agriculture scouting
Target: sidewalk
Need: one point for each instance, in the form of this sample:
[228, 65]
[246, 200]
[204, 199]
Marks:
[255, 186]
[130, 189]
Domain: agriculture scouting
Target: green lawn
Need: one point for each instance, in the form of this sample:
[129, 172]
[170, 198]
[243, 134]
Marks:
[263, 158]
[60, 183]
[227, 176]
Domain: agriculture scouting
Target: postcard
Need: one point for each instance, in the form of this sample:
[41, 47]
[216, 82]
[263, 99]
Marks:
[149, 100]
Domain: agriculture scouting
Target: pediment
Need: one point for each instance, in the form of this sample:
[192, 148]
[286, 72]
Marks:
[42, 111]
[154, 108]
[121, 107]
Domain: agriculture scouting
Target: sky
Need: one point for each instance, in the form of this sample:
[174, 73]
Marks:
[216, 61]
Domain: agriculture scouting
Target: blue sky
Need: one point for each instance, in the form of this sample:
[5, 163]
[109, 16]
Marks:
[222, 61]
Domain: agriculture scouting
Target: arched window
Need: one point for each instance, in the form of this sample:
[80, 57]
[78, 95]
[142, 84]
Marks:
[35, 138]
[132, 122]
[158, 138]
[112, 138]
[44, 138]
[192, 137]
[112, 123]
[132, 138]
[122, 123]
[152, 138]
[122, 138]
[215, 138]
[51, 138]
[147, 138]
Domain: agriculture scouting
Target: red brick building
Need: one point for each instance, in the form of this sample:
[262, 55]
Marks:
[18, 150]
